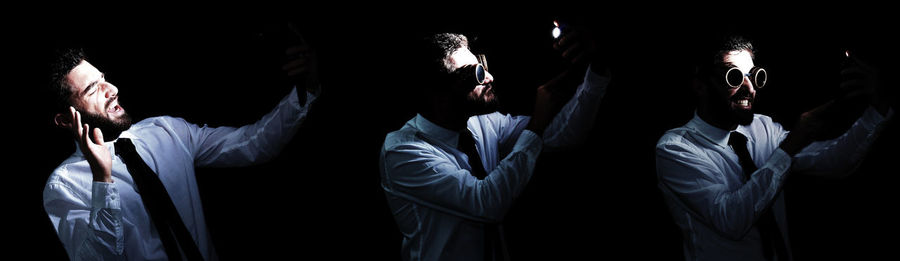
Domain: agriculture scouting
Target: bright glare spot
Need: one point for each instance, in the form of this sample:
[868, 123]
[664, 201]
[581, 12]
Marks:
[556, 32]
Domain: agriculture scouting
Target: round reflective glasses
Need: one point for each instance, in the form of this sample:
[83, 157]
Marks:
[478, 71]
[758, 76]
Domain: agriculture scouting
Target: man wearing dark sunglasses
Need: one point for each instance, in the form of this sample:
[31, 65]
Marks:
[451, 173]
[723, 172]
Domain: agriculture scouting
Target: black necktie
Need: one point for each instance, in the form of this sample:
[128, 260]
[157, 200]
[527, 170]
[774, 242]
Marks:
[467, 146]
[768, 229]
[171, 229]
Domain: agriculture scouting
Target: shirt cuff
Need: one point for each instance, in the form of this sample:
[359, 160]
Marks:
[596, 83]
[871, 117]
[779, 163]
[105, 195]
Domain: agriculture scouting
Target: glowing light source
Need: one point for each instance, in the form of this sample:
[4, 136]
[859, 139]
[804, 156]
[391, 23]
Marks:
[556, 32]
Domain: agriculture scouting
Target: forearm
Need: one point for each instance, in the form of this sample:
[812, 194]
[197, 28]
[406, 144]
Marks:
[735, 212]
[254, 143]
[574, 121]
[89, 230]
[839, 156]
[505, 182]
[106, 238]
[701, 188]
[418, 174]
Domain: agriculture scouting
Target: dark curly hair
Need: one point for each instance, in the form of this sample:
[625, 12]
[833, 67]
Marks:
[61, 64]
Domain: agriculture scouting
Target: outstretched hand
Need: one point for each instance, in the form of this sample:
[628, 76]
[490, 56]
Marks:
[301, 63]
[581, 48]
[552, 96]
[577, 47]
[859, 78]
[94, 151]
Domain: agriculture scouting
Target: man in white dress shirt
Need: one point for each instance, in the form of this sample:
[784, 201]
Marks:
[92, 198]
[723, 172]
[448, 197]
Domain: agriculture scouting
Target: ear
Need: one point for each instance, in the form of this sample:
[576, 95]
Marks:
[63, 121]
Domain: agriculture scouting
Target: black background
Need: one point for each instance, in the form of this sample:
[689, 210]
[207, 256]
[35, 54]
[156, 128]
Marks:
[321, 196]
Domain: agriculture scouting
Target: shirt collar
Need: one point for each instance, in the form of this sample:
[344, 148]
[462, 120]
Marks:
[110, 145]
[715, 134]
[712, 133]
[435, 132]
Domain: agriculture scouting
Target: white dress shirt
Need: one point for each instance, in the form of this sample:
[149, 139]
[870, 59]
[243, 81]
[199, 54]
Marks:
[711, 200]
[438, 205]
[108, 221]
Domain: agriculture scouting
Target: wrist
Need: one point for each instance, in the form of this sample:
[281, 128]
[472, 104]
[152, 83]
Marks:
[880, 106]
[793, 144]
[103, 177]
[536, 128]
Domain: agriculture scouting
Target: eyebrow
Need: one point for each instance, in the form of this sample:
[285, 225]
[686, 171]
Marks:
[92, 85]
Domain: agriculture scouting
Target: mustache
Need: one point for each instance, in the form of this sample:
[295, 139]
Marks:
[741, 94]
[111, 99]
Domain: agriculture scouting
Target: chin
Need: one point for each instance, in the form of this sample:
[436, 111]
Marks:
[744, 117]
[483, 108]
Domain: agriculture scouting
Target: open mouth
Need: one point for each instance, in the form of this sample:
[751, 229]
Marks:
[743, 103]
[113, 107]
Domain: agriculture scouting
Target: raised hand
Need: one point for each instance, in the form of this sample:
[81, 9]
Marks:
[580, 46]
[551, 97]
[94, 151]
[301, 63]
[577, 47]
[859, 78]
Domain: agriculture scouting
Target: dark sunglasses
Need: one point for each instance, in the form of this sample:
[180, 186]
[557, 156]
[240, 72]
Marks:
[479, 70]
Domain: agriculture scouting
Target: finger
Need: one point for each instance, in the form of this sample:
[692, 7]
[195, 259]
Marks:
[74, 125]
[85, 140]
[293, 64]
[852, 84]
[852, 70]
[298, 71]
[80, 130]
[98, 136]
[569, 38]
[296, 33]
[296, 49]
[572, 52]
[854, 59]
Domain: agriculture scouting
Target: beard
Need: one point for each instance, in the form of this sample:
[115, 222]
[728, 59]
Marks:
[111, 128]
[743, 117]
[724, 111]
[482, 103]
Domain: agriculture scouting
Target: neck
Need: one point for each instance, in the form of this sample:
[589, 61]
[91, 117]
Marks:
[716, 118]
[447, 114]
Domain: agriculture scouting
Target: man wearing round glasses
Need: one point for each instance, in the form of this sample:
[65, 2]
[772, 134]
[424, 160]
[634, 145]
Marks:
[452, 172]
[722, 173]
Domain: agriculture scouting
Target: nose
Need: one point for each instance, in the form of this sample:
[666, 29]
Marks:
[110, 89]
[748, 85]
[488, 77]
